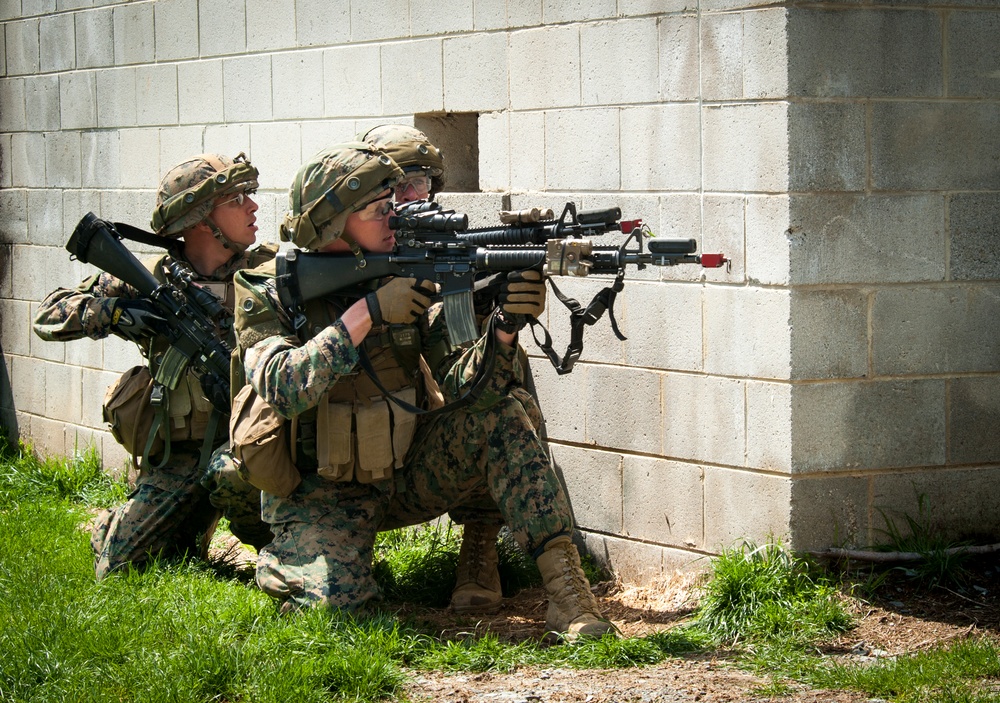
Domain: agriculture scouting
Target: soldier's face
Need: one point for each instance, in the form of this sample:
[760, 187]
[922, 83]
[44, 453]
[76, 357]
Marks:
[236, 217]
[369, 226]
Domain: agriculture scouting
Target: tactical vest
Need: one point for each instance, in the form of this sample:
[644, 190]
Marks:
[354, 432]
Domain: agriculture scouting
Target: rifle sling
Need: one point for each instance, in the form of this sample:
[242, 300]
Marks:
[479, 381]
[135, 234]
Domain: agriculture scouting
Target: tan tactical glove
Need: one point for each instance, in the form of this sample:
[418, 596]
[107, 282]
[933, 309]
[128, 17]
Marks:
[400, 301]
[523, 293]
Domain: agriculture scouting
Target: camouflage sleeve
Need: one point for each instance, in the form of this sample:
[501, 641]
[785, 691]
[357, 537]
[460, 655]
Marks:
[292, 377]
[460, 369]
[84, 311]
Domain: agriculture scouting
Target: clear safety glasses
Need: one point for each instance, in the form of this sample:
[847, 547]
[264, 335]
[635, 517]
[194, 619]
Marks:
[419, 184]
[376, 209]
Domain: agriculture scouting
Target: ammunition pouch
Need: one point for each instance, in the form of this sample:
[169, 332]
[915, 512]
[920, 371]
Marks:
[260, 445]
[129, 414]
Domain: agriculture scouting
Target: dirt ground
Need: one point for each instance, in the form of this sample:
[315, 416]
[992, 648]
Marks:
[900, 618]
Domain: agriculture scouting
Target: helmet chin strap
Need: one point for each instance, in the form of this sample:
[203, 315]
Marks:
[237, 249]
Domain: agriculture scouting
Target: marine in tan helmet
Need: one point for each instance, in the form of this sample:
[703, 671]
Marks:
[422, 162]
[361, 463]
[205, 204]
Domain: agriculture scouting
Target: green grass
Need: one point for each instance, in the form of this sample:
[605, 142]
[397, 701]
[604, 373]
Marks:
[190, 632]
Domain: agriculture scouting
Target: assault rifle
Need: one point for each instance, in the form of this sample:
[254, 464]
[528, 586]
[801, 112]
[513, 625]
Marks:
[438, 245]
[190, 313]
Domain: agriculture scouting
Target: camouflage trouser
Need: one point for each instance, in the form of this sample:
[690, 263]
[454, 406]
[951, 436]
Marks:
[325, 531]
[173, 512]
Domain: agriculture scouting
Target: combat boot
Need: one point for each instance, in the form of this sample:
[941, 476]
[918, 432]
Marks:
[477, 582]
[573, 609]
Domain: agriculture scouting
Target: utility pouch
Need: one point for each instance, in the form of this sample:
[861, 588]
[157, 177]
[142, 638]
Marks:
[334, 441]
[260, 445]
[374, 422]
[128, 412]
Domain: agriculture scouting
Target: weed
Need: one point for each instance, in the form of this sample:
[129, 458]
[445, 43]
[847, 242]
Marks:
[940, 564]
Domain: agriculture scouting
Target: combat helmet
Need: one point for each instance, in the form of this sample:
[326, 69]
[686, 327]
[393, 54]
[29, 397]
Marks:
[188, 191]
[411, 149]
[335, 182]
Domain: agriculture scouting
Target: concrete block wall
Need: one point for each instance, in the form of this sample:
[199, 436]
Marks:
[843, 155]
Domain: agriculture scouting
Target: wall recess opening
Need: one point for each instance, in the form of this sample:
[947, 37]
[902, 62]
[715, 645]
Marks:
[456, 134]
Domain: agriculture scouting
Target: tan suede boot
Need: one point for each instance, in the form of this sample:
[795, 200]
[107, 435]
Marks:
[477, 582]
[573, 609]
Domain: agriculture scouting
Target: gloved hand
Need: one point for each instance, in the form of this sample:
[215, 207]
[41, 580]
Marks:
[523, 293]
[400, 301]
[136, 319]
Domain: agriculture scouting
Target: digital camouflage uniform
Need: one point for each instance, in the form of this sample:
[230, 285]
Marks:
[173, 508]
[487, 454]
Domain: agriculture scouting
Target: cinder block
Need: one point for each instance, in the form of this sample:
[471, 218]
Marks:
[41, 97]
[475, 73]
[27, 380]
[100, 160]
[222, 29]
[95, 385]
[446, 17]
[57, 43]
[349, 74]
[830, 238]
[769, 426]
[114, 458]
[679, 217]
[935, 146]
[722, 229]
[3, 54]
[242, 104]
[418, 88]
[663, 502]
[494, 151]
[15, 326]
[555, 11]
[765, 53]
[631, 562]
[45, 217]
[722, 56]
[391, 20]
[741, 505]
[317, 22]
[616, 66]
[747, 332]
[62, 159]
[599, 342]
[558, 49]
[76, 204]
[134, 36]
[95, 37]
[177, 145]
[827, 145]
[156, 95]
[562, 399]
[527, 151]
[298, 85]
[489, 16]
[704, 419]
[949, 503]
[75, 4]
[119, 355]
[66, 402]
[42, 349]
[866, 425]
[22, 47]
[78, 100]
[870, 52]
[829, 334]
[275, 148]
[136, 168]
[270, 24]
[524, 13]
[12, 117]
[594, 483]
[679, 69]
[116, 98]
[27, 169]
[973, 65]
[663, 323]
[745, 147]
[723, 5]
[830, 511]
[48, 437]
[14, 217]
[89, 354]
[128, 206]
[661, 148]
[624, 409]
[974, 245]
[176, 25]
[936, 330]
[628, 8]
[199, 92]
[317, 135]
[5, 173]
[79, 440]
[973, 416]
[482, 208]
[572, 166]
[231, 139]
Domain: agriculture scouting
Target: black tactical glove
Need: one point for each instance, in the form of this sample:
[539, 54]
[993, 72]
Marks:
[400, 301]
[522, 296]
[136, 319]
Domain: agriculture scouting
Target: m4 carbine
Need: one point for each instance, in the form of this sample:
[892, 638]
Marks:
[437, 245]
[190, 313]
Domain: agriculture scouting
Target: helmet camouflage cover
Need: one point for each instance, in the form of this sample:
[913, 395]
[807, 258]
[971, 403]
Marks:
[410, 148]
[188, 191]
[330, 186]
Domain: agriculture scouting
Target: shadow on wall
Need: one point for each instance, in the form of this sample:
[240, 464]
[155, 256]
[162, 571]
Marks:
[8, 418]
